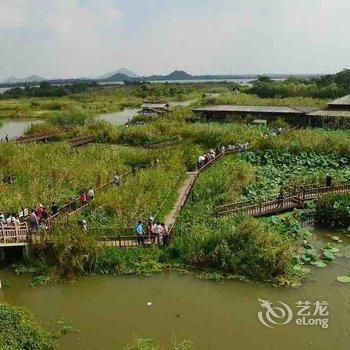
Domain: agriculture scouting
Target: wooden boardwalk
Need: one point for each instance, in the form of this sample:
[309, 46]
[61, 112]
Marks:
[133, 241]
[36, 137]
[293, 200]
[14, 235]
[183, 194]
[81, 141]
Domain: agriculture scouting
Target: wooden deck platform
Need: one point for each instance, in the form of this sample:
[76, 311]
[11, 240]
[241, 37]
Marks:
[14, 236]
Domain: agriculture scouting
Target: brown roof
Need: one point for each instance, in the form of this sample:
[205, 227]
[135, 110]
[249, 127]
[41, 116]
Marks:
[330, 113]
[343, 101]
[255, 109]
[155, 105]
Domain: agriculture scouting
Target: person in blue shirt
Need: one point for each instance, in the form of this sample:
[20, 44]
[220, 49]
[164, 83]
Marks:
[139, 232]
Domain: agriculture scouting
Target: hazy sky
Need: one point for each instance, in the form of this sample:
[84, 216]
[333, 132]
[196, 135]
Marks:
[70, 38]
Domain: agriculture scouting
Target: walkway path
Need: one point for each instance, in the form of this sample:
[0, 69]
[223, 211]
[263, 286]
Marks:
[183, 195]
[296, 199]
[183, 192]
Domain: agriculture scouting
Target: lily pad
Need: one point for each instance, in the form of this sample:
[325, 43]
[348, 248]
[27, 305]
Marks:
[328, 255]
[318, 263]
[343, 279]
[333, 249]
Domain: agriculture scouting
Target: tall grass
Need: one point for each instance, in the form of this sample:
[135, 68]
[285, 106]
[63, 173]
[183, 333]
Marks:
[253, 100]
[310, 140]
[333, 211]
[56, 172]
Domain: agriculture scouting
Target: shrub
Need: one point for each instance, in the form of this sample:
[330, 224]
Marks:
[18, 330]
[252, 248]
[69, 118]
[333, 211]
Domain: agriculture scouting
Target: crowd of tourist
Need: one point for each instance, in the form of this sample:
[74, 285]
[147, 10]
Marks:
[9, 220]
[151, 232]
[212, 154]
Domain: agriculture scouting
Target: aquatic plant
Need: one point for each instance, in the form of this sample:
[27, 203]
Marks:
[333, 211]
[19, 330]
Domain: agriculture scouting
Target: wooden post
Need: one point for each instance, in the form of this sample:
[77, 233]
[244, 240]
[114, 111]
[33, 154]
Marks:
[3, 232]
[120, 241]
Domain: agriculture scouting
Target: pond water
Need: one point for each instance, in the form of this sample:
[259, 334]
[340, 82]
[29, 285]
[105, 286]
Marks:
[121, 117]
[216, 315]
[15, 127]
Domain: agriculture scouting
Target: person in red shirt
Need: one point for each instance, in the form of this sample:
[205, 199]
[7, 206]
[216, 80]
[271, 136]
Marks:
[83, 198]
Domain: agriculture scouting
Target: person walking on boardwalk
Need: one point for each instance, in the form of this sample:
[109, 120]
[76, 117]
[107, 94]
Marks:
[150, 230]
[83, 198]
[54, 208]
[39, 212]
[116, 180]
[165, 234]
[280, 198]
[84, 226]
[329, 181]
[2, 218]
[139, 232]
[91, 194]
[34, 221]
[158, 230]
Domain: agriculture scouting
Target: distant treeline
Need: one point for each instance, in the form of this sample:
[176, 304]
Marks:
[327, 86]
[46, 89]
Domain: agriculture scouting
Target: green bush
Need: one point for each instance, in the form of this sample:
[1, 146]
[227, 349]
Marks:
[70, 118]
[19, 331]
[333, 211]
[252, 249]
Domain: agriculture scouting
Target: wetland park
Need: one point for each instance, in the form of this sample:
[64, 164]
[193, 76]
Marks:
[254, 209]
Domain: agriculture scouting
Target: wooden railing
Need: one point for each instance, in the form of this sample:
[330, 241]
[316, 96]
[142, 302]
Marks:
[135, 241]
[36, 137]
[81, 141]
[275, 205]
[11, 235]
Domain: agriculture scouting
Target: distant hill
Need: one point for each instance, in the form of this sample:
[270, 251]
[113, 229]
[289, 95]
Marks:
[118, 77]
[124, 71]
[176, 75]
[31, 78]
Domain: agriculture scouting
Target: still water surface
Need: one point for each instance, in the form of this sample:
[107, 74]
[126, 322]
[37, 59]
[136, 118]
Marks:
[216, 315]
[14, 128]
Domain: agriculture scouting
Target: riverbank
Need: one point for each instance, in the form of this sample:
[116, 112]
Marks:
[108, 310]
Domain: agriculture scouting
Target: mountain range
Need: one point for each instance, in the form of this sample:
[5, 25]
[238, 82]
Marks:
[12, 80]
[125, 75]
